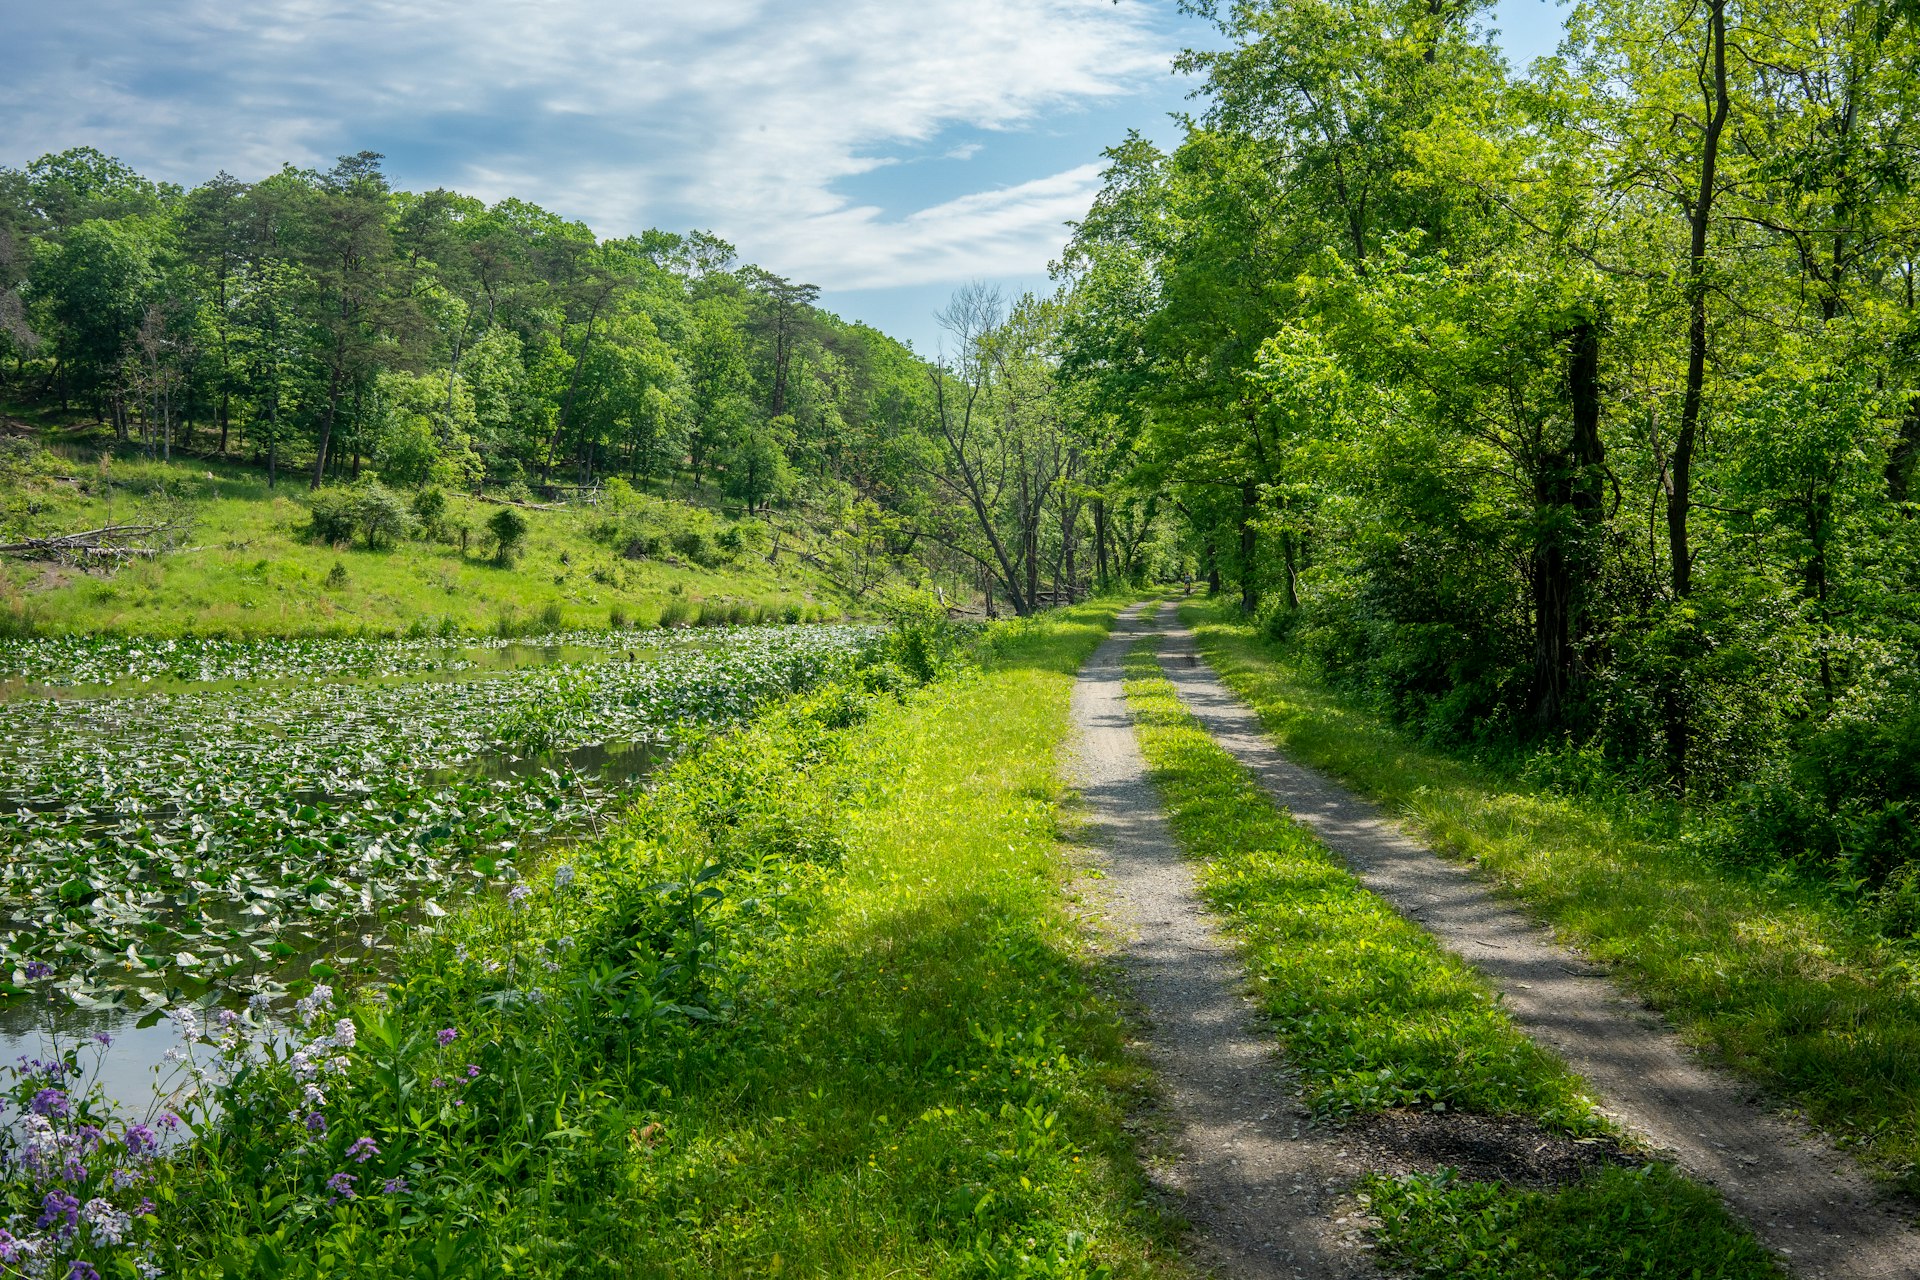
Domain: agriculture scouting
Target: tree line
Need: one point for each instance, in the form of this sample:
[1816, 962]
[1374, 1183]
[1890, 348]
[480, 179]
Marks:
[1573, 413]
[324, 321]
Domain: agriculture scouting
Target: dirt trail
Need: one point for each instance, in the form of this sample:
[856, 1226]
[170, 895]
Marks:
[1801, 1196]
[1263, 1193]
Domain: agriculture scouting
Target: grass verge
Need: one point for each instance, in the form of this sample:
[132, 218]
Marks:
[1775, 979]
[1375, 1015]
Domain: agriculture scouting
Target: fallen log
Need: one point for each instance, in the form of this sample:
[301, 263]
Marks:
[109, 542]
[524, 506]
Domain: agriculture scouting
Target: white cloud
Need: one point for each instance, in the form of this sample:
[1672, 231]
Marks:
[742, 115]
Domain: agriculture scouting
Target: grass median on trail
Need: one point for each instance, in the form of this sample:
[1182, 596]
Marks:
[1374, 1015]
[814, 1008]
[1780, 981]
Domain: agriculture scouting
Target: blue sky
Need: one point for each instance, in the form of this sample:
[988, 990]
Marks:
[886, 151]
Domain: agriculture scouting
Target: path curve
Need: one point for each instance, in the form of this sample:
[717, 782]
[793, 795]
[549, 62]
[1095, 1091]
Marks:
[1801, 1196]
[1261, 1191]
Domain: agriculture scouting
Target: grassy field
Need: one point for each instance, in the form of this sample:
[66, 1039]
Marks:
[1375, 1015]
[248, 566]
[1776, 979]
[814, 1007]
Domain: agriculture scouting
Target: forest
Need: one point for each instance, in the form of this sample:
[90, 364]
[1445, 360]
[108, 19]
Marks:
[1571, 417]
[336, 332]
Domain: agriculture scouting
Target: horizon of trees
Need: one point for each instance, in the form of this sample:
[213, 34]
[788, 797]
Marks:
[325, 323]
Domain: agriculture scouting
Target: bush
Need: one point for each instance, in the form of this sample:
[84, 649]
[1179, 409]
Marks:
[695, 546]
[379, 513]
[369, 508]
[430, 506]
[508, 528]
[332, 514]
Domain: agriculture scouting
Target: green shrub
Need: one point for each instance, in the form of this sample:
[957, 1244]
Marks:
[508, 528]
[695, 546]
[332, 514]
[430, 507]
[380, 514]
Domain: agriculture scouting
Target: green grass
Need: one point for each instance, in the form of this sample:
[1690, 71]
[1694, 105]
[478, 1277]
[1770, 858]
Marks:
[1368, 1007]
[1616, 1223]
[900, 1060]
[1777, 980]
[940, 1091]
[252, 570]
[1373, 1014]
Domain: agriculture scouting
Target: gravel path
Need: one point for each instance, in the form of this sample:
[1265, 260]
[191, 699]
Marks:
[1262, 1191]
[1802, 1197]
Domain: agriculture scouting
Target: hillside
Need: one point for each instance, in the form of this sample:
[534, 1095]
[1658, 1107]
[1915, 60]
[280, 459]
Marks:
[246, 559]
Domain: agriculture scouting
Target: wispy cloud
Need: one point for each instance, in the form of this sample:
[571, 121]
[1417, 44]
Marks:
[744, 115]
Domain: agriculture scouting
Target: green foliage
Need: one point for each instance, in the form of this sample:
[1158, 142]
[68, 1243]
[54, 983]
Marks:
[430, 508]
[368, 508]
[380, 513]
[552, 1080]
[333, 515]
[508, 528]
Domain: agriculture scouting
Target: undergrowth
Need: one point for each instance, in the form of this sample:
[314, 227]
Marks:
[1616, 1223]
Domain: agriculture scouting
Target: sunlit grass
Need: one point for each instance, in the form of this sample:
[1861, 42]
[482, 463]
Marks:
[1373, 1014]
[1367, 1006]
[1775, 979]
[250, 568]
[939, 1090]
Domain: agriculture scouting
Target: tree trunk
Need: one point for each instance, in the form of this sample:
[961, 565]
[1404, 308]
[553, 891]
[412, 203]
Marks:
[1100, 541]
[1249, 589]
[326, 425]
[1568, 489]
[1679, 471]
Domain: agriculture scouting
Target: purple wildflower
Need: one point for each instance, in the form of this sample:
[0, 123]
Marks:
[139, 1140]
[446, 1036]
[362, 1151]
[37, 969]
[394, 1187]
[517, 897]
[169, 1121]
[79, 1270]
[9, 1247]
[438, 1083]
[103, 1039]
[317, 1123]
[473, 1070]
[51, 1103]
[63, 1208]
[341, 1184]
